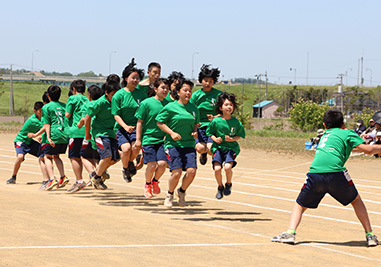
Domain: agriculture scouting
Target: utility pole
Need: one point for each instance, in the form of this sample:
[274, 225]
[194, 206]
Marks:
[243, 91]
[308, 59]
[266, 83]
[362, 71]
[340, 76]
[259, 87]
[11, 99]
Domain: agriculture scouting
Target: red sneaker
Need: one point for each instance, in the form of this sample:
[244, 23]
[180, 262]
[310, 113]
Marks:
[156, 187]
[148, 190]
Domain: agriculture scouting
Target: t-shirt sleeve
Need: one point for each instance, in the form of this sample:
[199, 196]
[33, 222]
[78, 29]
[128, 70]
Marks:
[354, 139]
[241, 130]
[163, 115]
[116, 105]
[93, 110]
[197, 116]
[140, 113]
[47, 117]
[70, 105]
[210, 129]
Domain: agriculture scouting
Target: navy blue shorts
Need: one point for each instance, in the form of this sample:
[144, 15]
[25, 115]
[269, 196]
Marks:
[34, 148]
[56, 150]
[43, 149]
[202, 137]
[107, 147]
[181, 158]
[125, 137]
[87, 151]
[154, 153]
[75, 145]
[222, 156]
[338, 184]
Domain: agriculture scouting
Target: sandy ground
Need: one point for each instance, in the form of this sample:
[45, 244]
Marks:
[119, 227]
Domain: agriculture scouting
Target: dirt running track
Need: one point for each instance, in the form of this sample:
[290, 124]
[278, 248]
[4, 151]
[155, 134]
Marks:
[119, 227]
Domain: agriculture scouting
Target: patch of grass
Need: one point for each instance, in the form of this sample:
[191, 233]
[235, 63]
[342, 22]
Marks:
[10, 127]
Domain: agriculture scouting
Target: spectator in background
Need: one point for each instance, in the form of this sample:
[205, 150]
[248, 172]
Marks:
[315, 140]
[365, 134]
[360, 127]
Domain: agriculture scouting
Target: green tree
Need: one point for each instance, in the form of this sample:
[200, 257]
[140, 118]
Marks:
[87, 74]
[307, 115]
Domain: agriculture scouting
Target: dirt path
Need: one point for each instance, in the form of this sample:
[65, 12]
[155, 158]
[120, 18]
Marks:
[119, 227]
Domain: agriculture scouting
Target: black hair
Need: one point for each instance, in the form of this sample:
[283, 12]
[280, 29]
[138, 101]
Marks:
[185, 81]
[110, 86]
[45, 97]
[221, 99]
[130, 68]
[175, 75]
[113, 77]
[38, 105]
[153, 65]
[54, 91]
[95, 92]
[70, 92]
[79, 85]
[156, 84]
[333, 118]
[205, 71]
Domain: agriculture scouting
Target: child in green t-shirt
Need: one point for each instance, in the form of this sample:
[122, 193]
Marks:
[154, 72]
[101, 129]
[25, 145]
[174, 78]
[327, 174]
[56, 128]
[179, 121]
[225, 131]
[151, 137]
[205, 99]
[74, 106]
[124, 105]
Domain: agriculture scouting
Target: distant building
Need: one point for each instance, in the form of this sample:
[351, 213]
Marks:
[266, 109]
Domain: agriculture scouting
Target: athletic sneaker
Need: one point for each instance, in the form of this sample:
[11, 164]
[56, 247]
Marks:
[220, 192]
[139, 162]
[44, 184]
[168, 202]
[98, 183]
[372, 240]
[228, 189]
[77, 187]
[132, 168]
[52, 183]
[203, 158]
[148, 190]
[63, 181]
[155, 187]
[127, 175]
[284, 238]
[89, 183]
[181, 197]
[105, 176]
[12, 180]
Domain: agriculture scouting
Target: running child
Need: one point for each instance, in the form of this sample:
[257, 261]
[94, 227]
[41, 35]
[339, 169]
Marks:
[225, 131]
[152, 137]
[205, 99]
[123, 107]
[25, 145]
[154, 72]
[179, 121]
[328, 174]
[173, 79]
[101, 129]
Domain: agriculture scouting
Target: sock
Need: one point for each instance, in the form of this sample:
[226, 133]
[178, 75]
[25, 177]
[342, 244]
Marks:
[369, 233]
[79, 181]
[220, 188]
[228, 184]
[63, 176]
[125, 169]
[148, 183]
[291, 231]
[170, 193]
[182, 190]
[14, 176]
[154, 179]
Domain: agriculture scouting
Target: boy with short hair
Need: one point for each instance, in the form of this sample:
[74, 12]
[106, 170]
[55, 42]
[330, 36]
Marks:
[74, 106]
[24, 144]
[205, 99]
[327, 174]
[55, 124]
[102, 131]
[154, 72]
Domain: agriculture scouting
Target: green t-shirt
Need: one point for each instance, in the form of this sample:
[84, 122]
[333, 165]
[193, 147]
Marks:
[333, 150]
[84, 113]
[180, 119]
[220, 127]
[44, 139]
[168, 98]
[54, 114]
[206, 104]
[32, 125]
[75, 105]
[143, 88]
[125, 105]
[103, 121]
[147, 112]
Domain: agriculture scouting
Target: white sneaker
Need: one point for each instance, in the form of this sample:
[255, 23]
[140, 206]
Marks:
[372, 240]
[168, 202]
[181, 196]
[284, 238]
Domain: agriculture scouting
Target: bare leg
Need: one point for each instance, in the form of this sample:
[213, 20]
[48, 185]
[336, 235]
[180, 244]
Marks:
[188, 178]
[174, 179]
[296, 216]
[19, 160]
[59, 164]
[229, 172]
[201, 148]
[103, 165]
[150, 171]
[77, 166]
[126, 154]
[49, 166]
[160, 170]
[44, 172]
[361, 213]
[89, 165]
[208, 148]
[134, 151]
[218, 173]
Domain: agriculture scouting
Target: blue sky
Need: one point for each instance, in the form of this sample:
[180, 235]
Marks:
[242, 38]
